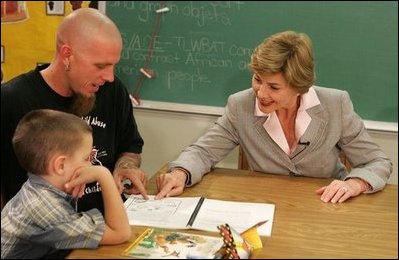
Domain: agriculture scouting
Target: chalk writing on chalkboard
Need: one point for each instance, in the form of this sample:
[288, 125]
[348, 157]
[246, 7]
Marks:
[202, 49]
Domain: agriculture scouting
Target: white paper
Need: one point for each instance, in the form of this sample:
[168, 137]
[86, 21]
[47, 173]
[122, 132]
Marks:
[239, 215]
[172, 212]
[175, 212]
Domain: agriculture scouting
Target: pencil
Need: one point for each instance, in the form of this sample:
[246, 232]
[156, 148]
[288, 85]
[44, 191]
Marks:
[138, 239]
[255, 226]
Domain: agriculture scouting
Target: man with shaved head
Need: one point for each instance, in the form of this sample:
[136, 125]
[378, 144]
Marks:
[79, 80]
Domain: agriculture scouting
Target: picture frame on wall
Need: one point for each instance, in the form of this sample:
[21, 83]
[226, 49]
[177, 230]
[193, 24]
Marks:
[13, 11]
[55, 8]
[99, 5]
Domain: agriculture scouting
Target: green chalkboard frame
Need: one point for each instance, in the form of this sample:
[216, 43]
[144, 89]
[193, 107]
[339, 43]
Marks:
[201, 50]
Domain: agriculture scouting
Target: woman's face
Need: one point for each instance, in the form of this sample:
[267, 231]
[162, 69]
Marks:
[273, 92]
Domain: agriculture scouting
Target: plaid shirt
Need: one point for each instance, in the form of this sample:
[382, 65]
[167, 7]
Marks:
[40, 221]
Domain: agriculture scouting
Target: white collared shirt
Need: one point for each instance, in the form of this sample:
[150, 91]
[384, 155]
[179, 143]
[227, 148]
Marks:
[273, 127]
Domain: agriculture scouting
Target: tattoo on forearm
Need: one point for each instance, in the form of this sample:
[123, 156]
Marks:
[129, 161]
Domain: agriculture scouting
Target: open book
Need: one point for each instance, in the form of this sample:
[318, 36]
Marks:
[198, 213]
[157, 243]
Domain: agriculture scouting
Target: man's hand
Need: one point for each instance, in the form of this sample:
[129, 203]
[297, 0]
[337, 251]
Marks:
[127, 169]
[171, 184]
[340, 191]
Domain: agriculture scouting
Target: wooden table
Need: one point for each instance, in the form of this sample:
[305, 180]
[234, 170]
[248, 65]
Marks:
[304, 226]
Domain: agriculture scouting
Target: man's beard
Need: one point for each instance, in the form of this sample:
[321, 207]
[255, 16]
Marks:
[82, 105]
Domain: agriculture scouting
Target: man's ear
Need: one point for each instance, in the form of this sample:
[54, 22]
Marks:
[57, 164]
[65, 51]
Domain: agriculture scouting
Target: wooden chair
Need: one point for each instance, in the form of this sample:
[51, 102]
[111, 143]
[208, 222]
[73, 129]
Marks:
[242, 160]
[243, 163]
[345, 161]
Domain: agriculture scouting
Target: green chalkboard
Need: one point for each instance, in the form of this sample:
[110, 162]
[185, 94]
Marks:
[201, 49]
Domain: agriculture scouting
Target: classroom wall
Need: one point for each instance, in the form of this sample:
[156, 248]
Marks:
[31, 40]
[167, 133]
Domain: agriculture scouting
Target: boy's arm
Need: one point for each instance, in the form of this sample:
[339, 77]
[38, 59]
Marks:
[117, 229]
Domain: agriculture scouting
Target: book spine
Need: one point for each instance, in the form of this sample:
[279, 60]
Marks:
[195, 213]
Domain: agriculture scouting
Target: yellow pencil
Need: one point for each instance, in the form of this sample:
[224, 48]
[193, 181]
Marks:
[255, 226]
[138, 239]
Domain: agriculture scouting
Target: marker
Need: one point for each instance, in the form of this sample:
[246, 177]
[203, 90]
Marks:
[162, 10]
[147, 72]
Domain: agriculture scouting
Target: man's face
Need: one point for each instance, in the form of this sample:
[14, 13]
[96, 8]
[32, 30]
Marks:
[91, 67]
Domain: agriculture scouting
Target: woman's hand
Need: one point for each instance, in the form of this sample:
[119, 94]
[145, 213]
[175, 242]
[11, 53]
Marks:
[339, 191]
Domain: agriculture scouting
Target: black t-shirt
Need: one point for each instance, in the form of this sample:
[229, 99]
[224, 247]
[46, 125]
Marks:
[114, 127]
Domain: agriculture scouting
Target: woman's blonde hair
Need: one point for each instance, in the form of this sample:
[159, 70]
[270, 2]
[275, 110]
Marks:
[289, 53]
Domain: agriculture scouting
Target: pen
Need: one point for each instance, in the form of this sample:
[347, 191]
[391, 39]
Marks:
[196, 210]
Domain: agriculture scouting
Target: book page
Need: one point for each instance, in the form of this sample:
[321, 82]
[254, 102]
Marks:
[239, 215]
[175, 212]
[171, 212]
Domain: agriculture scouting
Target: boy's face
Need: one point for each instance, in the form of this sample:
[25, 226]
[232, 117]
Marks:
[80, 158]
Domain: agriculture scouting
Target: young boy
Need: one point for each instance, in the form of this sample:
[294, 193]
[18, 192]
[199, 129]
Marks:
[41, 220]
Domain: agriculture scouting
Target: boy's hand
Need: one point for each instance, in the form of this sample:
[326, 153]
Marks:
[81, 177]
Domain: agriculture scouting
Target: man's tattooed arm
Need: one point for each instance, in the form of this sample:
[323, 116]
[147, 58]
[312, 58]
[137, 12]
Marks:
[129, 161]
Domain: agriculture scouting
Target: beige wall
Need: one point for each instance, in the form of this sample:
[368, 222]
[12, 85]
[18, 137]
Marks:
[389, 144]
[167, 133]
